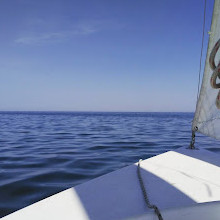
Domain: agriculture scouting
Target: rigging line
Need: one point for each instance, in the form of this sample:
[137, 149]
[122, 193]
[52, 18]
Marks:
[192, 143]
[201, 54]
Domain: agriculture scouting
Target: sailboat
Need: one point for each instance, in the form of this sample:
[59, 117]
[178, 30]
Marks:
[180, 184]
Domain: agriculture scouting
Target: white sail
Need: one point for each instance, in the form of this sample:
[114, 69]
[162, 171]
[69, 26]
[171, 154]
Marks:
[207, 115]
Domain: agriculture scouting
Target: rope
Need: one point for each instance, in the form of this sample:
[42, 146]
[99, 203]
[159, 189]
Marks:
[149, 205]
[216, 72]
[192, 143]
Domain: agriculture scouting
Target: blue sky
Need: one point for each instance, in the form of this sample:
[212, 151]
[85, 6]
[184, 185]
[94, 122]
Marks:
[100, 55]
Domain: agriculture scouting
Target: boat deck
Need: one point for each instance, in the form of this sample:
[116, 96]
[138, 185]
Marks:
[174, 179]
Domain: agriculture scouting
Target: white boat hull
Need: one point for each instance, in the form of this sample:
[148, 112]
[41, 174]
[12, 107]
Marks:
[176, 181]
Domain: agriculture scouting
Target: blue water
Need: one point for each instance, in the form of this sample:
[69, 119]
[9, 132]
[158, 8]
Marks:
[42, 153]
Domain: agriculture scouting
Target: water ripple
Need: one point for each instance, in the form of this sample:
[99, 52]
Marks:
[42, 153]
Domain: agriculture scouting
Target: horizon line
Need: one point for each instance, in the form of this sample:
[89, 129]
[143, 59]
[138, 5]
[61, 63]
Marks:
[88, 111]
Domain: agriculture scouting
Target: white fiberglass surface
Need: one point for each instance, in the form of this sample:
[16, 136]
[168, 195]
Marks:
[172, 180]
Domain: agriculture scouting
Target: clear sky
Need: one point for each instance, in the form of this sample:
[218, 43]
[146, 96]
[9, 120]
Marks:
[100, 55]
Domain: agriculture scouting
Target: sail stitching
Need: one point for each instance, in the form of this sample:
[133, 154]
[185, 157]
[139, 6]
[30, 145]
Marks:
[211, 119]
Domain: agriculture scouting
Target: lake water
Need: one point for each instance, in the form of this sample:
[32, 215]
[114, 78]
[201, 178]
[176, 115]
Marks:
[42, 153]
